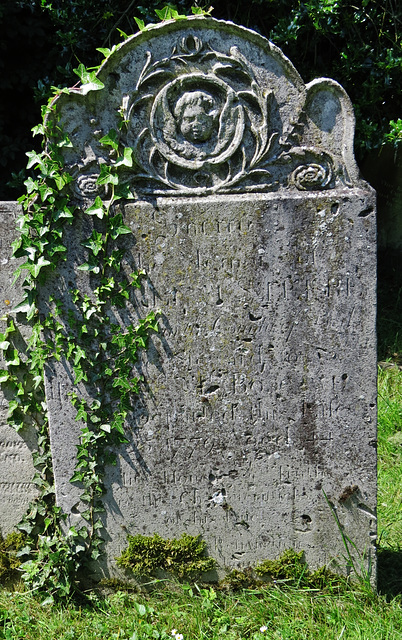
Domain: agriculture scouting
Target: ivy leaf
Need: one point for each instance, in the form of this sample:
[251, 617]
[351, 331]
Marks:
[12, 406]
[35, 267]
[62, 179]
[79, 355]
[37, 381]
[106, 176]
[124, 35]
[104, 51]
[34, 159]
[38, 130]
[31, 185]
[27, 306]
[140, 24]
[169, 13]
[4, 346]
[136, 278]
[117, 228]
[79, 548]
[111, 139]
[77, 477]
[4, 374]
[88, 79]
[122, 383]
[45, 191]
[197, 11]
[89, 266]
[56, 248]
[63, 212]
[97, 209]
[126, 159]
[124, 191]
[14, 360]
[94, 243]
[81, 414]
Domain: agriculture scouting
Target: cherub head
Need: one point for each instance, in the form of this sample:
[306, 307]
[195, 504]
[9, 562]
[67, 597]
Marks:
[197, 115]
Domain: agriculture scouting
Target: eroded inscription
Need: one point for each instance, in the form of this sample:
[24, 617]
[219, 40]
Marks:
[16, 474]
[16, 466]
[252, 387]
[252, 404]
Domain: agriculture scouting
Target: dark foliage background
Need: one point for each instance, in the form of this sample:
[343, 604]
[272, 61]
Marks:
[357, 43]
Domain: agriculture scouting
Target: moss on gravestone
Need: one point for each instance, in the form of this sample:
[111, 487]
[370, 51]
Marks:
[183, 557]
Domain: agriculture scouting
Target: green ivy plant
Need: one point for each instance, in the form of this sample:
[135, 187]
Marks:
[77, 327]
[101, 353]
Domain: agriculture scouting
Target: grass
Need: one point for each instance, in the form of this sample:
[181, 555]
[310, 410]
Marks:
[390, 457]
[277, 612]
[205, 613]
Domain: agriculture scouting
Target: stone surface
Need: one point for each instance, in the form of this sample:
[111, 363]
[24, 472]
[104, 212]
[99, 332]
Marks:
[260, 390]
[258, 241]
[16, 467]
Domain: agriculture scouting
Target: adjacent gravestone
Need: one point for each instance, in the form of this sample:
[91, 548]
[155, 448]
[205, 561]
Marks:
[16, 466]
[258, 410]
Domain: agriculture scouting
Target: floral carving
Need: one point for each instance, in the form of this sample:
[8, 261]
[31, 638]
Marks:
[85, 186]
[205, 122]
[311, 177]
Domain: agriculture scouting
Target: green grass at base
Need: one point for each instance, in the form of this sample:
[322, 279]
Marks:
[204, 613]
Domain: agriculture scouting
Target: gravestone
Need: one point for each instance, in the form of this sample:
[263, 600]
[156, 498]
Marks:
[16, 466]
[256, 423]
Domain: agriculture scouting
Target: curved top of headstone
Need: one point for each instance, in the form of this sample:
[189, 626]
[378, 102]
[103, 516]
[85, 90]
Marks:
[208, 107]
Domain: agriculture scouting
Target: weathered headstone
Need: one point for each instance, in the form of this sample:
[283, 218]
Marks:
[258, 241]
[16, 466]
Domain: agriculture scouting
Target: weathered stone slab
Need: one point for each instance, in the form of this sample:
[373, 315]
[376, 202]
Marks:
[258, 241]
[16, 467]
[261, 387]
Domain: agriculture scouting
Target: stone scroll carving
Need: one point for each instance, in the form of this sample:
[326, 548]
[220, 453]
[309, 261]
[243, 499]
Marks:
[209, 115]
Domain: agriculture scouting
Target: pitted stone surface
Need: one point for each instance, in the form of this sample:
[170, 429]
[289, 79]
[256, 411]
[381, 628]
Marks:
[258, 241]
[16, 466]
[259, 389]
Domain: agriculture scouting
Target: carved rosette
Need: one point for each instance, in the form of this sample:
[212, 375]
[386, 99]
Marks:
[86, 186]
[315, 170]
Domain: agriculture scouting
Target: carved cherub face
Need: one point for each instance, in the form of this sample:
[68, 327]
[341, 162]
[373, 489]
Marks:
[197, 115]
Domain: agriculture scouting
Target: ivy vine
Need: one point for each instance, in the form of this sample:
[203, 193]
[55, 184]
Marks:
[79, 328]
